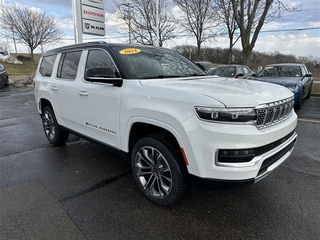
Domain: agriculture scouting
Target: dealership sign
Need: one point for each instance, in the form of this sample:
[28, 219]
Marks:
[88, 18]
[93, 3]
[92, 15]
[93, 27]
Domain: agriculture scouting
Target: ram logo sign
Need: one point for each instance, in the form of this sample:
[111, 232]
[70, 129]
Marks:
[94, 28]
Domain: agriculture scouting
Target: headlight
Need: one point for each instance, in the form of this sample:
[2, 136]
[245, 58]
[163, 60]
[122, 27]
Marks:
[293, 88]
[233, 115]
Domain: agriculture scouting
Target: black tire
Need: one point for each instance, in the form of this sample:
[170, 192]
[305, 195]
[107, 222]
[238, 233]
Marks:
[158, 171]
[309, 94]
[52, 129]
[7, 83]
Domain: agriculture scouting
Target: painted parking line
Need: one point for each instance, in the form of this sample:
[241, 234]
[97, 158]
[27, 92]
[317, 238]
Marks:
[308, 120]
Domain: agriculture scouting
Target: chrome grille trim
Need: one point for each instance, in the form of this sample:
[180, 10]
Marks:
[272, 113]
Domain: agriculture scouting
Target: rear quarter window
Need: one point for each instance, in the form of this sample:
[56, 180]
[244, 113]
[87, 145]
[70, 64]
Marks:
[46, 65]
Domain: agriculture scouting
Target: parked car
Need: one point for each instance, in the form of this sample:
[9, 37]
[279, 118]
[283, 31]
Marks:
[294, 76]
[4, 80]
[232, 71]
[173, 123]
[205, 66]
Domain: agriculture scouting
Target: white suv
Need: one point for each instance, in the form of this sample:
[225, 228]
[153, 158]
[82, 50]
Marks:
[176, 124]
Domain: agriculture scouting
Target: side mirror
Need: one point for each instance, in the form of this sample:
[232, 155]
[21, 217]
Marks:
[240, 75]
[103, 75]
[200, 66]
[254, 74]
[308, 75]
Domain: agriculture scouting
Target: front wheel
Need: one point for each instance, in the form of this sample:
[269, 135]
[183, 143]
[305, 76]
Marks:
[7, 83]
[158, 171]
[53, 131]
[309, 94]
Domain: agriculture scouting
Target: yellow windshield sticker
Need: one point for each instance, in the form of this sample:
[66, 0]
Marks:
[268, 67]
[130, 51]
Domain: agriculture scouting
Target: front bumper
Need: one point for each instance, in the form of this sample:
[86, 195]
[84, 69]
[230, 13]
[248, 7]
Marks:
[205, 139]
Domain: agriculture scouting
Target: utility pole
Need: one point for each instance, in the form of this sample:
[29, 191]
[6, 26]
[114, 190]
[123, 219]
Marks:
[129, 18]
[157, 17]
[76, 12]
[14, 40]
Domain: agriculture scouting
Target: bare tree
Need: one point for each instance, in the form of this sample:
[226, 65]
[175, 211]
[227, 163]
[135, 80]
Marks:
[224, 12]
[5, 47]
[250, 16]
[198, 19]
[29, 26]
[140, 18]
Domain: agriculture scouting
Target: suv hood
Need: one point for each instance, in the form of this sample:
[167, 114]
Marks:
[228, 91]
[283, 81]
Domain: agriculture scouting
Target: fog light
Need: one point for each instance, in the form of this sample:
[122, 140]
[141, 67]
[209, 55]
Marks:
[236, 156]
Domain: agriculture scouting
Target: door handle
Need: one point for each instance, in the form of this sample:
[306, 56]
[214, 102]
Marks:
[54, 88]
[83, 93]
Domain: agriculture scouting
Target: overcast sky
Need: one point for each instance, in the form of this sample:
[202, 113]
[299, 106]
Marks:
[281, 36]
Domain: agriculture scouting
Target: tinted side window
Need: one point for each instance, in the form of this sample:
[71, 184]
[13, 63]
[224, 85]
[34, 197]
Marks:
[246, 70]
[99, 58]
[240, 70]
[229, 72]
[68, 65]
[304, 70]
[47, 65]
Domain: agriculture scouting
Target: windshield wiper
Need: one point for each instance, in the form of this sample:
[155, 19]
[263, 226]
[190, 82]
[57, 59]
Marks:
[164, 76]
[173, 76]
[196, 75]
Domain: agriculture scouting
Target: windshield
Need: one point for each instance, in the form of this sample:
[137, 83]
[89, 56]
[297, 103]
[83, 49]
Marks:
[225, 71]
[280, 71]
[153, 62]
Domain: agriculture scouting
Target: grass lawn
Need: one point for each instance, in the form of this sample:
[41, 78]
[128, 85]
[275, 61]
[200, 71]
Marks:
[25, 69]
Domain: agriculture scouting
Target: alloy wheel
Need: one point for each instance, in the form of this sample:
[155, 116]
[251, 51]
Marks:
[153, 172]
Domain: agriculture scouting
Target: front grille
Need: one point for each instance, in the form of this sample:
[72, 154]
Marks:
[271, 160]
[275, 112]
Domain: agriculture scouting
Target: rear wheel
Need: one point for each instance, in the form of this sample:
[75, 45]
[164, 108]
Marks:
[53, 131]
[158, 171]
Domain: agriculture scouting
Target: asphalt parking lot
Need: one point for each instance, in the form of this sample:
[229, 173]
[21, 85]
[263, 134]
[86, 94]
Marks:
[82, 191]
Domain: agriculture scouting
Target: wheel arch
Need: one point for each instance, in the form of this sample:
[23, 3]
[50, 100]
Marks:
[44, 103]
[141, 129]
